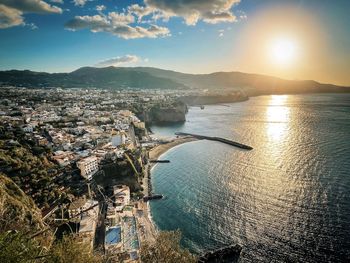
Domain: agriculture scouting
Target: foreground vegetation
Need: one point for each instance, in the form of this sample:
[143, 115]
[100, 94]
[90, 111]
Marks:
[166, 249]
[16, 247]
[30, 167]
[25, 238]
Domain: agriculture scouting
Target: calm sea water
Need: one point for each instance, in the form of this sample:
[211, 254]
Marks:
[288, 200]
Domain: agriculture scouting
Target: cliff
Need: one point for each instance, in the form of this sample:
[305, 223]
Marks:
[167, 113]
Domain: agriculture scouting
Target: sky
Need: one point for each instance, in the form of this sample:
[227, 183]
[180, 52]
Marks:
[292, 39]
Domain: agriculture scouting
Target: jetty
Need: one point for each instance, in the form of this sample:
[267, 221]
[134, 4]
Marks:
[159, 161]
[152, 197]
[218, 139]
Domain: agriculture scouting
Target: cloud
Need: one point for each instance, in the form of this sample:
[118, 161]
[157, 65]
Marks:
[11, 11]
[100, 8]
[210, 11]
[32, 26]
[57, 1]
[32, 6]
[118, 61]
[140, 11]
[116, 24]
[96, 23]
[81, 3]
[10, 17]
[120, 18]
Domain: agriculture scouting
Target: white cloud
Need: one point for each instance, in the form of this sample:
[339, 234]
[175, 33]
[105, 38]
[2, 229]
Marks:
[210, 11]
[121, 18]
[10, 17]
[32, 26]
[123, 24]
[81, 3]
[118, 61]
[140, 11]
[116, 24]
[11, 11]
[57, 1]
[31, 6]
[129, 32]
[95, 23]
[100, 8]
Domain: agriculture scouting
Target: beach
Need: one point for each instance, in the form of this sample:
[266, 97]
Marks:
[154, 154]
[150, 230]
[158, 150]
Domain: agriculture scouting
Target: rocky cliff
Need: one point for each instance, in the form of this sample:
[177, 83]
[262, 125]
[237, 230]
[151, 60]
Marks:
[167, 113]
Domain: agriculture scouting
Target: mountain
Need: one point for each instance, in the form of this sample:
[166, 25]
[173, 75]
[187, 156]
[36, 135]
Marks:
[252, 84]
[87, 77]
[147, 78]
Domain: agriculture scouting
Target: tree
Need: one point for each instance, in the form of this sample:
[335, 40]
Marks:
[166, 249]
[16, 247]
[70, 250]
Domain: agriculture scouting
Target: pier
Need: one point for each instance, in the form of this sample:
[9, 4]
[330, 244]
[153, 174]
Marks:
[159, 161]
[218, 139]
[152, 197]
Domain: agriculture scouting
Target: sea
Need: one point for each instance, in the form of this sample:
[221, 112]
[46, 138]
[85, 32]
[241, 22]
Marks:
[287, 200]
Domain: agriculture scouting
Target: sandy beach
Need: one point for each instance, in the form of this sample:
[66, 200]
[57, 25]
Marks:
[154, 154]
[150, 230]
[157, 151]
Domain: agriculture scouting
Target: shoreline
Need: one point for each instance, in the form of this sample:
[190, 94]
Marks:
[160, 149]
[155, 153]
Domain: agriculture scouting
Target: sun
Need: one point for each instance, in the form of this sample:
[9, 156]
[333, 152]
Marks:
[283, 51]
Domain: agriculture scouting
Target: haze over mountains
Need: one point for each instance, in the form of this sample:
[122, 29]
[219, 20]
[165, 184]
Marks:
[148, 78]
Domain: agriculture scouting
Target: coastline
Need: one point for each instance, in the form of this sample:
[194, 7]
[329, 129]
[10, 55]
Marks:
[160, 149]
[154, 154]
[151, 229]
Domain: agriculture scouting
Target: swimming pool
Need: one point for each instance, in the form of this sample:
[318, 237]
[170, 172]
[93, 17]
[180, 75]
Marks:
[131, 241]
[113, 235]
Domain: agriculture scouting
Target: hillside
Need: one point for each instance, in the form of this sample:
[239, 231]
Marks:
[30, 168]
[252, 84]
[110, 77]
[154, 78]
[18, 211]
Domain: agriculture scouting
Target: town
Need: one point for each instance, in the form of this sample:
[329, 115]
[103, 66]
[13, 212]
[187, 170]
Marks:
[94, 149]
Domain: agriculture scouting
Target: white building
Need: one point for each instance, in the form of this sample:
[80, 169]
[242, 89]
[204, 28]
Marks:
[122, 196]
[86, 213]
[88, 167]
[118, 138]
[28, 128]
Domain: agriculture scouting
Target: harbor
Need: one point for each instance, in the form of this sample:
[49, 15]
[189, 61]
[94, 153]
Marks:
[218, 139]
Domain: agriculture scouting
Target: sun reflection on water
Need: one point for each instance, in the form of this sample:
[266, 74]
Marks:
[277, 116]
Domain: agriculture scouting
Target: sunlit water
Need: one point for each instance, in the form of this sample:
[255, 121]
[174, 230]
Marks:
[288, 200]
